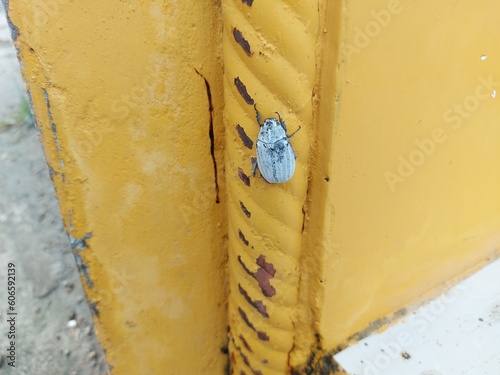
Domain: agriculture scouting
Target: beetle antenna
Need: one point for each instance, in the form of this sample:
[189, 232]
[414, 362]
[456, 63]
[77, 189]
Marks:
[257, 114]
[281, 121]
[291, 135]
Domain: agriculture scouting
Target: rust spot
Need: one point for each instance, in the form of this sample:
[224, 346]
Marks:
[244, 209]
[243, 91]
[259, 305]
[243, 177]
[245, 344]
[247, 2]
[244, 137]
[264, 361]
[238, 36]
[263, 275]
[263, 336]
[242, 237]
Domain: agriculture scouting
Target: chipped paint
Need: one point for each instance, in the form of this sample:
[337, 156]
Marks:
[263, 275]
[78, 245]
[242, 237]
[242, 89]
[238, 37]
[247, 141]
[14, 31]
[245, 210]
[243, 177]
[257, 304]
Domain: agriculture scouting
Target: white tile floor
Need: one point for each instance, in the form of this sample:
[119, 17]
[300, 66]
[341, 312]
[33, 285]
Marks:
[458, 333]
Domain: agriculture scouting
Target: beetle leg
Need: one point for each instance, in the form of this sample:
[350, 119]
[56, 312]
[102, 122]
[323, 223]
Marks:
[282, 122]
[257, 114]
[291, 135]
[254, 166]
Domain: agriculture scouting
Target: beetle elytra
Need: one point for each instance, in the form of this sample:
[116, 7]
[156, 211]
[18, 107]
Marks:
[275, 156]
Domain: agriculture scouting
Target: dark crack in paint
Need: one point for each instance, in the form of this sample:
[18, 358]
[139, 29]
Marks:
[14, 30]
[257, 304]
[211, 135]
[244, 209]
[238, 36]
[243, 177]
[247, 2]
[264, 274]
[247, 142]
[243, 91]
[242, 237]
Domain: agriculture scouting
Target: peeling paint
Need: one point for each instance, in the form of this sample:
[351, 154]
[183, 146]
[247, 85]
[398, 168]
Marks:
[53, 128]
[242, 237]
[244, 209]
[257, 304]
[320, 363]
[264, 274]
[243, 91]
[243, 177]
[14, 31]
[77, 245]
[244, 357]
[93, 309]
[260, 334]
[238, 37]
[245, 344]
[247, 142]
[51, 119]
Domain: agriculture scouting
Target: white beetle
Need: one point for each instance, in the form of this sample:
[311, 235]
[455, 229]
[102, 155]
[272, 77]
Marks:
[275, 156]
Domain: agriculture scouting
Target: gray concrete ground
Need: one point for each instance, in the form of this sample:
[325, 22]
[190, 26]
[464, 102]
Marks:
[54, 333]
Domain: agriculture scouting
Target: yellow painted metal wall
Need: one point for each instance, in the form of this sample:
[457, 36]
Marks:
[409, 141]
[393, 195]
[127, 97]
